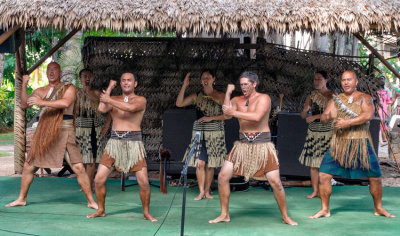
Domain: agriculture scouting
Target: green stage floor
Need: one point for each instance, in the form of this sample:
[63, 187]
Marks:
[56, 207]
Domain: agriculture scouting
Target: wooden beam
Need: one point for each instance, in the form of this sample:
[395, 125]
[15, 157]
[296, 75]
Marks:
[4, 36]
[378, 55]
[53, 50]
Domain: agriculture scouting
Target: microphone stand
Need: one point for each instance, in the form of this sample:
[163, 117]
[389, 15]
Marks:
[184, 174]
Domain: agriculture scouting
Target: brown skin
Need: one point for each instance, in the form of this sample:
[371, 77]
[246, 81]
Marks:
[320, 85]
[67, 103]
[349, 84]
[127, 116]
[86, 79]
[204, 173]
[252, 118]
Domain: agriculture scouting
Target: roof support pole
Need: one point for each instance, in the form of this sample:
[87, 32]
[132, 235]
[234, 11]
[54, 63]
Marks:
[4, 36]
[19, 113]
[54, 49]
[378, 55]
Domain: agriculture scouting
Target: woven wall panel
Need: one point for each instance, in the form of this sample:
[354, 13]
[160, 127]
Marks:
[162, 63]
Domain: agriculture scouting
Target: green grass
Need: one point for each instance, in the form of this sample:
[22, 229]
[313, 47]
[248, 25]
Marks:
[7, 138]
[5, 154]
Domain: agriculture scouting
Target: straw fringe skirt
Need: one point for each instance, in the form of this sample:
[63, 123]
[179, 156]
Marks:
[125, 155]
[253, 159]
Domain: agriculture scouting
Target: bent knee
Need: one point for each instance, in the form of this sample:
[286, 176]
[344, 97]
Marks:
[78, 168]
[223, 178]
[324, 178]
[201, 164]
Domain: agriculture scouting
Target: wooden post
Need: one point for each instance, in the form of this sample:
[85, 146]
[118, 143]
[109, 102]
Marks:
[19, 113]
[379, 56]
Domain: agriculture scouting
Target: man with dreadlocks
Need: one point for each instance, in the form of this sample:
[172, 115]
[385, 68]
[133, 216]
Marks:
[125, 150]
[54, 137]
[351, 154]
[254, 154]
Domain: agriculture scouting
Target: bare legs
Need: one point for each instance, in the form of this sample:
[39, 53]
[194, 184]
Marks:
[314, 182]
[90, 169]
[144, 190]
[325, 191]
[279, 194]
[224, 192]
[83, 181]
[204, 176]
[27, 179]
[375, 188]
[100, 186]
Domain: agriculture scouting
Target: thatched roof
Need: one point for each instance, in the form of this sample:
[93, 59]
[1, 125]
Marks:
[213, 16]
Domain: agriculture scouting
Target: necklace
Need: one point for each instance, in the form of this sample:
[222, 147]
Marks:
[126, 99]
[247, 103]
[350, 101]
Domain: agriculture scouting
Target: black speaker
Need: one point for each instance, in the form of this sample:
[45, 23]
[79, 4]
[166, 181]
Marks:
[292, 132]
[12, 43]
[177, 134]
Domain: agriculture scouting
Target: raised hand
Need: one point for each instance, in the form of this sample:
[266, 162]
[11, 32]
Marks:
[25, 79]
[230, 88]
[186, 80]
[111, 86]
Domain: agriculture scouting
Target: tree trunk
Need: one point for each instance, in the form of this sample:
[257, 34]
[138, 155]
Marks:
[1, 68]
[19, 113]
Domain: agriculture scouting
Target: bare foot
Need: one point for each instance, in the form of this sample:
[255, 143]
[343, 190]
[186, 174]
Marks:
[383, 212]
[289, 221]
[93, 205]
[321, 213]
[98, 213]
[219, 219]
[208, 196]
[149, 217]
[201, 196]
[313, 195]
[16, 203]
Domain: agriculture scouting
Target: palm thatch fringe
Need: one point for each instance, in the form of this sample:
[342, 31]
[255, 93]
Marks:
[215, 16]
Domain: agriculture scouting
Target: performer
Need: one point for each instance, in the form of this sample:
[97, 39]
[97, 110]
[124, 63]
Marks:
[318, 134]
[254, 154]
[210, 149]
[384, 109]
[90, 126]
[125, 150]
[351, 153]
[55, 133]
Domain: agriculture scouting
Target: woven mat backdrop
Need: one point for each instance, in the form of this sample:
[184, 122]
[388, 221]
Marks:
[162, 63]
